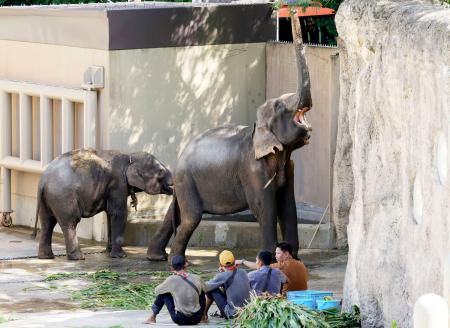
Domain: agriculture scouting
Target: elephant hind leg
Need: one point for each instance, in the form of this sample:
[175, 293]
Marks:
[73, 249]
[190, 210]
[157, 248]
[48, 222]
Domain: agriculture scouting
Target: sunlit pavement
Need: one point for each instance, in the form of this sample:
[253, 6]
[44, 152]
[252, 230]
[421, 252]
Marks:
[28, 300]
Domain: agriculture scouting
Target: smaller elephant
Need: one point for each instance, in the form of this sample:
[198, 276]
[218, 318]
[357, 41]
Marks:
[82, 183]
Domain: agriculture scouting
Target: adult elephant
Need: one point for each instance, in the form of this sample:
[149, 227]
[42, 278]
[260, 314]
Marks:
[232, 168]
[82, 183]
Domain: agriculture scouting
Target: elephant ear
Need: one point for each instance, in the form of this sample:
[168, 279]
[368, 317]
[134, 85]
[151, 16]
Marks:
[264, 141]
[133, 177]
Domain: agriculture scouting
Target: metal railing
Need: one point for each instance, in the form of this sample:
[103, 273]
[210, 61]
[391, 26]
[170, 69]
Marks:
[47, 94]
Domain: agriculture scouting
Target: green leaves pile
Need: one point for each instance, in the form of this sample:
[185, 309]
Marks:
[111, 289]
[276, 312]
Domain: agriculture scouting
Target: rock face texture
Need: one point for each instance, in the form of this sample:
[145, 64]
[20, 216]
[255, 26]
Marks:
[391, 172]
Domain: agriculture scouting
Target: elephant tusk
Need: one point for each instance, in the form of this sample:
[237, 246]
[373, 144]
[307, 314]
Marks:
[270, 181]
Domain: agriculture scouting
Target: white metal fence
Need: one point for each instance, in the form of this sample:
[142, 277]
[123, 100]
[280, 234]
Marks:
[39, 122]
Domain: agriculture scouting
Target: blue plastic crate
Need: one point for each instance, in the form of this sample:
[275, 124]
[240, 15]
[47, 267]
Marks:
[308, 302]
[328, 304]
[314, 294]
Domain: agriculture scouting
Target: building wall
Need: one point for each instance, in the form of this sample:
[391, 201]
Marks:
[162, 98]
[59, 66]
[314, 162]
[154, 100]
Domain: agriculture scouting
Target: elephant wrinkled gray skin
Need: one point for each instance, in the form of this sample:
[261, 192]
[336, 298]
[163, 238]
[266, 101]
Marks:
[232, 168]
[82, 183]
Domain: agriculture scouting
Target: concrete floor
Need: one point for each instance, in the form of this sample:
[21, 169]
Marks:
[27, 299]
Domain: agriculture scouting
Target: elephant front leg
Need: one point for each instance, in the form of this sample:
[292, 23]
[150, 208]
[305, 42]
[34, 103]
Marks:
[263, 207]
[108, 224]
[73, 249]
[287, 211]
[117, 212]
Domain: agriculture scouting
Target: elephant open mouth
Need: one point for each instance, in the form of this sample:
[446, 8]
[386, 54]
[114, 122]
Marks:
[301, 122]
[300, 118]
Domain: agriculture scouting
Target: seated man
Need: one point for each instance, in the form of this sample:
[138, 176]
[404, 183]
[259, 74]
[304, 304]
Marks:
[295, 270]
[266, 279]
[229, 289]
[182, 293]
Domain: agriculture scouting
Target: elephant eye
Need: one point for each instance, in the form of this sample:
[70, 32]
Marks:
[160, 174]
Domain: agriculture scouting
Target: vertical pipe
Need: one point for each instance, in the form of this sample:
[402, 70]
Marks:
[46, 118]
[67, 125]
[5, 149]
[278, 26]
[25, 127]
[90, 119]
[89, 138]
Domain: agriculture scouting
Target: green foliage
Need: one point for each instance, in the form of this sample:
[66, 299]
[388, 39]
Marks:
[114, 293]
[333, 4]
[3, 319]
[336, 319]
[394, 324]
[275, 311]
[66, 275]
[110, 289]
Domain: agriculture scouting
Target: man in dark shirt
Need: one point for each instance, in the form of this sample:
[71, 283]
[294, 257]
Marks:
[229, 289]
[266, 279]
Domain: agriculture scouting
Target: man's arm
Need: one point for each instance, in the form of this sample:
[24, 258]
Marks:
[248, 264]
[283, 277]
[164, 287]
[217, 281]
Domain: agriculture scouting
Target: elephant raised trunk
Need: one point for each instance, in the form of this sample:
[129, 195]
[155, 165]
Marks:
[304, 83]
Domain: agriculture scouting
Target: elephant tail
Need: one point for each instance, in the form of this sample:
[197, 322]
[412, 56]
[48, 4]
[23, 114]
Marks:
[38, 206]
[176, 220]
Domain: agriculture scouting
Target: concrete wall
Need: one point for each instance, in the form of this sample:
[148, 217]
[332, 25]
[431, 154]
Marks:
[52, 65]
[162, 98]
[173, 94]
[392, 155]
[314, 162]
[155, 100]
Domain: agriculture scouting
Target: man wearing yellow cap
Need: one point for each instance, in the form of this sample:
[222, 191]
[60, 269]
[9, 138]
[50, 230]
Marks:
[229, 289]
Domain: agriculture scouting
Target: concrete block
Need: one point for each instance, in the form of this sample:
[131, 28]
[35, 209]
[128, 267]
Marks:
[227, 234]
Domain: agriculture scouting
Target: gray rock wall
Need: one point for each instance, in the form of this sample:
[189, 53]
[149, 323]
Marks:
[391, 173]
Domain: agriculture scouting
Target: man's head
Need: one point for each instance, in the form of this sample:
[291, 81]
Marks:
[226, 259]
[178, 262]
[263, 258]
[283, 251]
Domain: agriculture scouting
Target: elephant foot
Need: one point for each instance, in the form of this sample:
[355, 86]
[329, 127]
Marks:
[45, 255]
[157, 256]
[75, 256]
[118, 254]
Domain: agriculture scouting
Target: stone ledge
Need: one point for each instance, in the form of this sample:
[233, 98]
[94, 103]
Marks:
[227, 234]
